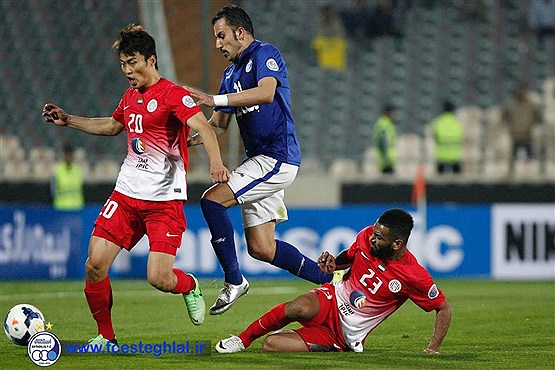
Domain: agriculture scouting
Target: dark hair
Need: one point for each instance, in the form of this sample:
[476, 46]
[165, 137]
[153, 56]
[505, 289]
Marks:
[134, 39]
[399, 223]
[235, 17]
[448, 106]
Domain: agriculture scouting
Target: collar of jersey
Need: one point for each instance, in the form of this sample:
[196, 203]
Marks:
[247, 52]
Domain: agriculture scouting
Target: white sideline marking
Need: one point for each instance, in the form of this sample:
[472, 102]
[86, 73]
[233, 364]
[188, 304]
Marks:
[144, 293]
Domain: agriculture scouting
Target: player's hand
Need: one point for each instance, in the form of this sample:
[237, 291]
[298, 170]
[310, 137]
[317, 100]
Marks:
[326, 262]
[193, 140]
[201, 97]
[432, 351]
[219, 173]
[54, 114]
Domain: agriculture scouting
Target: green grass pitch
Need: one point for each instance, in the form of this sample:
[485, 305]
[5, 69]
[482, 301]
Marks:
[495, 325]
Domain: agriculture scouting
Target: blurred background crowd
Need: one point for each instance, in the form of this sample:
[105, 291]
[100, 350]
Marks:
[491, 62]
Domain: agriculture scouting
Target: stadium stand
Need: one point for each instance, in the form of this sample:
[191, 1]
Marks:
[475, 64]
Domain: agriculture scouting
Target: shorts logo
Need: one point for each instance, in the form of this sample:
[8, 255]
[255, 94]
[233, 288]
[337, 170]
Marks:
[137, 145]
[357, 299]
[272, 65]
[433, 292]
[188, 101]
[249, 66]
[152, 105]
[394, 286]
[44, 349]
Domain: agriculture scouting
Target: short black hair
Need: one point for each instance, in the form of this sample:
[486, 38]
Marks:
[399, 223]
[134, 39]
[236, 17]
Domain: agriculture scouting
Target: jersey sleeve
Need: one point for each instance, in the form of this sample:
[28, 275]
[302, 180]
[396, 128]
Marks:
[118, 113]
[424, 292]
[181, 103]
[270, 63]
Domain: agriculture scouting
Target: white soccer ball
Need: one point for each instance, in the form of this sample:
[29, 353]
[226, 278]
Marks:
[22, 322]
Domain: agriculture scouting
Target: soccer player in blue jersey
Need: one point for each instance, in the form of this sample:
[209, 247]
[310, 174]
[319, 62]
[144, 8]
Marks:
[255, 88]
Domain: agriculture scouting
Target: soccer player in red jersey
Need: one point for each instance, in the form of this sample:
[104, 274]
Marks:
[383, 274]
[151, 187]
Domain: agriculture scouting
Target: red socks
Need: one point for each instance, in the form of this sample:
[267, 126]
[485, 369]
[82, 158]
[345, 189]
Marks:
[185, 283]
[99, 298]
[272, 320]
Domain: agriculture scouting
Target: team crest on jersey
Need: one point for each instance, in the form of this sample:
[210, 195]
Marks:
[272, 65]
[433, 292]
[249, 66]
[188, 101]
[152, 105]
[357, 299]
[394, 286]
[137, 145]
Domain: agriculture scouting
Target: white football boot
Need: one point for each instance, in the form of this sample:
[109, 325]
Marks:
[232, 344]
[228, 295]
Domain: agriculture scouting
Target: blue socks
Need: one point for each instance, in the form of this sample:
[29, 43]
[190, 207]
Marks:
[291, 259]
[222, 240]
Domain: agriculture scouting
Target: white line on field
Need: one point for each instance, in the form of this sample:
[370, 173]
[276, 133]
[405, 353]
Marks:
[143, 293]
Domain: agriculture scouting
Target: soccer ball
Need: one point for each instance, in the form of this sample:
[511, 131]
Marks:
[22, 322]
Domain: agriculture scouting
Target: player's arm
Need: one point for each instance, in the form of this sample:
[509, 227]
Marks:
[329, 263]
[106, 126]
[442, 322]
[219, 123]
[261, 94]
[218, 172]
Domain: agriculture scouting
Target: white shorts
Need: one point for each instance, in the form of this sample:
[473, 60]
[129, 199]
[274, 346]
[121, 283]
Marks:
[258, 185]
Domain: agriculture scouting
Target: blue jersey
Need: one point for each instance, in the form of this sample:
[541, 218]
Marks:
[266, 129]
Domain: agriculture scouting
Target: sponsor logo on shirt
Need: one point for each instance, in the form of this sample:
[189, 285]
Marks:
[188, 101]
[394, 286]
[433, 292]
[137, 145]
[272, 65]
[249, 66]
[357, 299]
[152, 105]
[346, 309]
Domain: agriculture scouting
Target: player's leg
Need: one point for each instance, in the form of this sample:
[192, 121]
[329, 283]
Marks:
[285, 341]
[98, 290]
[303, 308]
[165, 224]
[116, 227]
[262, 245]
[163, 276]
[214, 204]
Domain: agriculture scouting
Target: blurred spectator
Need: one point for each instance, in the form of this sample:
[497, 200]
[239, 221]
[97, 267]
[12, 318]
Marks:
[541, 18]
[67, 183]
[382, 20]
[362, 23]
[385, 139]
[520, 115]
[356, 20]
[330, 43]
[448, 137]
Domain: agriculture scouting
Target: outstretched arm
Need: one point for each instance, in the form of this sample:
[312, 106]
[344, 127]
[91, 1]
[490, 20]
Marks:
[442, 322]
[106, 126]
[261, 94]
[218, 172]
[219, 122]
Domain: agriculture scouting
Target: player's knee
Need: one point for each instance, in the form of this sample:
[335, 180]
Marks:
[260, 254]
[95, 270]
[299, 310]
